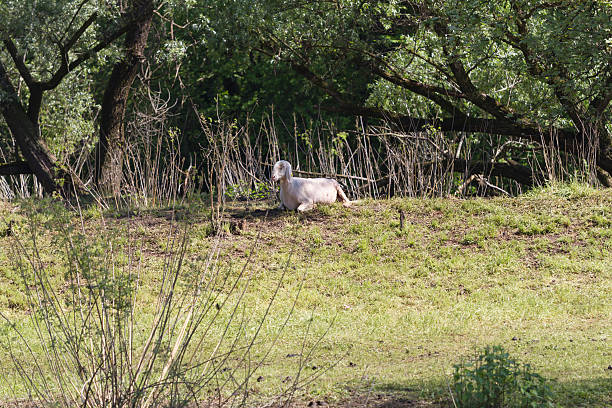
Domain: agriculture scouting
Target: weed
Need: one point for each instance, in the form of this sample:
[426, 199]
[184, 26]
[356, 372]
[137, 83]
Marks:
[494, 379]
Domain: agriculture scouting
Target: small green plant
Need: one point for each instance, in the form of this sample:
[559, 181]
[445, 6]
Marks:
[242, 191]
[470, 238]
[494, 379]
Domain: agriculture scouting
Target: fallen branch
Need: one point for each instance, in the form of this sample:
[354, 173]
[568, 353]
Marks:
[313, 173]
[464, 185]
[517, 172]
[482, 180]
[486, 182]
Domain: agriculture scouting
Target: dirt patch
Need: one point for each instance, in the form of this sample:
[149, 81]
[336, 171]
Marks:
[368, 400]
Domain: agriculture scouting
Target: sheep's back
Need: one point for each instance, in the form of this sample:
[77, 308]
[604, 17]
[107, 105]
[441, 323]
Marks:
[317, 190]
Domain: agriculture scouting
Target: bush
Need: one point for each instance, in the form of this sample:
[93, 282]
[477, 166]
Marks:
[98, 335]
[494, 379]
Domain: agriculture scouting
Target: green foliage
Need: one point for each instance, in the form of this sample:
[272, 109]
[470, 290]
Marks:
[260, 191]
[494, 379]
[67, 119]
[215, 56]
[36, 27]
[39, 30]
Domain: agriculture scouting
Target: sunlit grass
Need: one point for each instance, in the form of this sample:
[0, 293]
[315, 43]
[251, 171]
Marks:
[533, 274]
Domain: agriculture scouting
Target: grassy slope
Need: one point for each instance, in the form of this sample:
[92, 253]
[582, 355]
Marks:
[533, 274]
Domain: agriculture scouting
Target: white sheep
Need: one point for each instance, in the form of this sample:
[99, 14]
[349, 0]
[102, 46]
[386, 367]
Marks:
[303, 193]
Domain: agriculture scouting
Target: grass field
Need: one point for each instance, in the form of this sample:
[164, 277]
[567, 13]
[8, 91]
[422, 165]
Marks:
[386, 311]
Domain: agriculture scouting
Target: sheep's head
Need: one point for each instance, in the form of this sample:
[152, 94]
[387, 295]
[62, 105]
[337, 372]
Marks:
[281, 170]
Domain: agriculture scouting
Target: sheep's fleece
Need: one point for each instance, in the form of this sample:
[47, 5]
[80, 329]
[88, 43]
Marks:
[303, 193]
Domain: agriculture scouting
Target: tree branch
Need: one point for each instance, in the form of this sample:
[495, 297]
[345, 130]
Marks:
[519, 173]
[318, 81]
[453, 124]
[74, 16]
[556, 82]
[66, 67]
[36, 92]
[459, 122]
[470, 92]
[35, 102]
[37, 88]
[78, 33]
[431, 92]
[599, 104]
[427, 91]
[18, 61]
[14, 169]
[478, 98]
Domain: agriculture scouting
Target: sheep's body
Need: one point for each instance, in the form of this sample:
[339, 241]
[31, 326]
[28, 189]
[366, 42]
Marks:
[303, 194]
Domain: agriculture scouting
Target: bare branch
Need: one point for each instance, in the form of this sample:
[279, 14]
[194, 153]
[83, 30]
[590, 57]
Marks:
[454, 124]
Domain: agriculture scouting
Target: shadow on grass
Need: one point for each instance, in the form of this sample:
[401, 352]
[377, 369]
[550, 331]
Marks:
[378, 400]
[595, 392]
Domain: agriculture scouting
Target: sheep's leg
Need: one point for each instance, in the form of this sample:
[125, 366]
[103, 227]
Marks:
[305, 207]
[345, 201]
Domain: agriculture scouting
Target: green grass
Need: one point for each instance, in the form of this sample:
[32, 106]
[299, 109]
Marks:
[392, 310]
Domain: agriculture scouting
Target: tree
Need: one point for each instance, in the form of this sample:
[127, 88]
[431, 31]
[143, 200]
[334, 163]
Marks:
[46, 42]
[109, 156]
[535, 70]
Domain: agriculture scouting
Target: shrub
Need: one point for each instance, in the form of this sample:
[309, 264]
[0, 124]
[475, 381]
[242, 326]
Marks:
[494, 379]
[93, 341]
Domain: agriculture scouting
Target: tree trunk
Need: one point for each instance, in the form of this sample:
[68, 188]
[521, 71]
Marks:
[604, 158]
[110, 149]
[27, 135]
